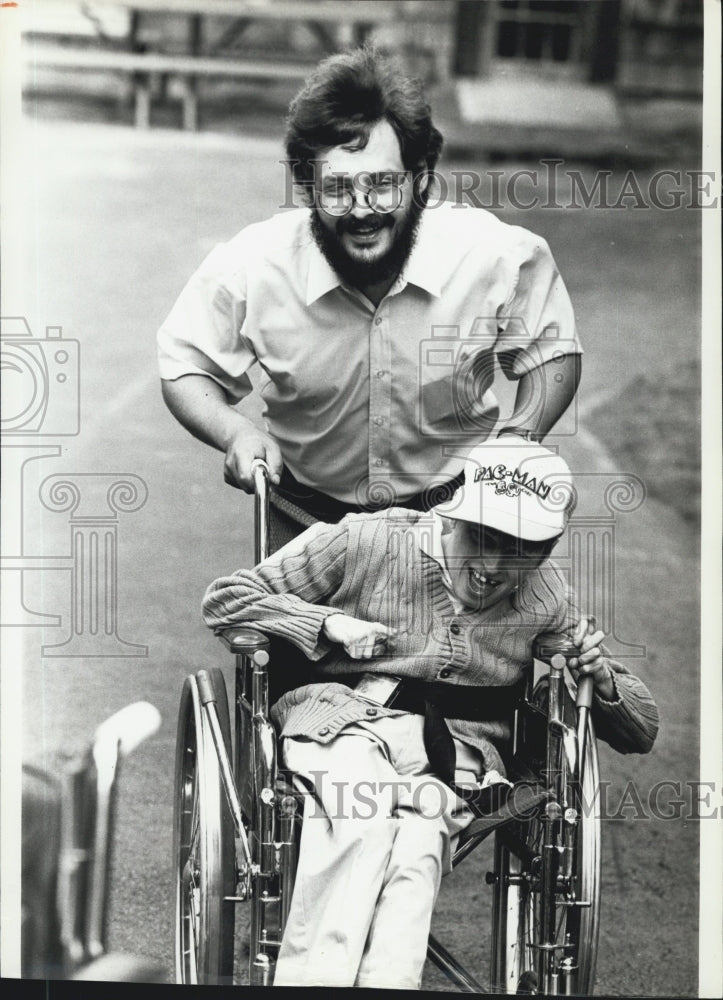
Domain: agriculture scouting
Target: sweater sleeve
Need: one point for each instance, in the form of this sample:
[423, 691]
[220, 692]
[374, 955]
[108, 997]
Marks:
[629, 722]
[284, 595]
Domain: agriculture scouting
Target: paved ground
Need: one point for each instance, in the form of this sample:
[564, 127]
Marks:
[117, 221]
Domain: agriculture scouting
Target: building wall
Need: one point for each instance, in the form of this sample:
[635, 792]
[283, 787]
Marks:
[645, 47]
[661, 52]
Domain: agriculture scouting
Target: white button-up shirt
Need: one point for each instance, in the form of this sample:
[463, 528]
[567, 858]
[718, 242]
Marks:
[369, 401]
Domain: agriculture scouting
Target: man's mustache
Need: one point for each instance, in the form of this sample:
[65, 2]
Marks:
[352, 225]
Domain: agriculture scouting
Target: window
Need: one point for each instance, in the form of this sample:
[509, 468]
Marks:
[539, 30]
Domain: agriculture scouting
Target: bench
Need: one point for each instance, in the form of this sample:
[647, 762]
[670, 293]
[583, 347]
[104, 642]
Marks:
[129, 56]
[141, 65]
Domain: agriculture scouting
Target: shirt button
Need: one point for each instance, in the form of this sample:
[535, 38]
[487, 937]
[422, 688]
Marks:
[379, 461]
[324, 731]
[380, 373]
[445, 673]
[379, 421]
[377, 321]
[454, 628]
[371, 711]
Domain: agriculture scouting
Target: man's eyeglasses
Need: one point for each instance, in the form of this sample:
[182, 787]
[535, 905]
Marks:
[382, 194]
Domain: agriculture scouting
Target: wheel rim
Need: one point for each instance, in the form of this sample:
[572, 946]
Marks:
[191, 899]
[517, 906]
[203, 847]
[188, 889]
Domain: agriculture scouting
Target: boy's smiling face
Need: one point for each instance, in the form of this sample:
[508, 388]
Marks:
[486, 566]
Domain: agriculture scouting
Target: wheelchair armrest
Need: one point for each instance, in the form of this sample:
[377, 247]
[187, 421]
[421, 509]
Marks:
[244, 640]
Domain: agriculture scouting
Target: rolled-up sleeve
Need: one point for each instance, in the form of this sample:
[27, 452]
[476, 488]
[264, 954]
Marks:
[202, 334]
[288, 595]
[537, 322]
[630, 722]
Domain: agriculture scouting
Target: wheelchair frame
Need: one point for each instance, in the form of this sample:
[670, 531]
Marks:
[237, 820]
[69, 823]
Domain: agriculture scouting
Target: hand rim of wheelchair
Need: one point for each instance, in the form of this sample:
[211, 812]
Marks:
[517, 958]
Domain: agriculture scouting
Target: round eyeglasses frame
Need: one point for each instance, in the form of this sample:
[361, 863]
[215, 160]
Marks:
[340, 203]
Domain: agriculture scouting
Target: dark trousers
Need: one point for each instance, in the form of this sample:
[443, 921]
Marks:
[296, 506]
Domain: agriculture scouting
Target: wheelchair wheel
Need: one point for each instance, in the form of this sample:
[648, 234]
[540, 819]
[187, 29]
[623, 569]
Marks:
[204, 861]
[518, 959]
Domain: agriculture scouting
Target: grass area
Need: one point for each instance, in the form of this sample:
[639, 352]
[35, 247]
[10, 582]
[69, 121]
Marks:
[654, 428]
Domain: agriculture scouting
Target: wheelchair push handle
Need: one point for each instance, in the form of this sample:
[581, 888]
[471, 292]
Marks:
[556, 649]
[585, 684]
[261, 473]
[205, 688]
[585, 687]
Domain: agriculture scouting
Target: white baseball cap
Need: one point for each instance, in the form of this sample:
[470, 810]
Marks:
[515, 486]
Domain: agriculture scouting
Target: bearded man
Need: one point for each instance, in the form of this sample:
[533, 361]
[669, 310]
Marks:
[377, 316]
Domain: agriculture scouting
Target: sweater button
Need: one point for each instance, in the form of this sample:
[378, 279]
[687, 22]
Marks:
[371, 711]
[454, 628]
[445, 673]
[324, 731]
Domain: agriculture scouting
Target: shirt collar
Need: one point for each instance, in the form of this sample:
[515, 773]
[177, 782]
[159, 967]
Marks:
[431, 545]
[431, 542]
[421, 269]
[322, 277]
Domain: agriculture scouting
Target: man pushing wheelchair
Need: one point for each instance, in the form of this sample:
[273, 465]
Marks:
[341, 303]
[418, 617]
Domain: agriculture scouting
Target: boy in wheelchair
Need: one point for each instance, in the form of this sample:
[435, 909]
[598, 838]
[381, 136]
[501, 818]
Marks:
[419, 628]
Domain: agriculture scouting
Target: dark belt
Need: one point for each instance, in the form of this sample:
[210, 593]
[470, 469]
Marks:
[326, 508]
[476, 704]
[437, 702]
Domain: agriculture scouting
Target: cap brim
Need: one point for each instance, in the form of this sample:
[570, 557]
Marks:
[491, 516]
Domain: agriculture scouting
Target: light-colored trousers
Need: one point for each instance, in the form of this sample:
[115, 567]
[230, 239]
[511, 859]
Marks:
[375, 842]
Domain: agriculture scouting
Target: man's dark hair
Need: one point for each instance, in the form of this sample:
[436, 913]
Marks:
[345, 97]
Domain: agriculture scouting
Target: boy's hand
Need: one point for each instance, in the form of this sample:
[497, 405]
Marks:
[591, 662]
[361, 640]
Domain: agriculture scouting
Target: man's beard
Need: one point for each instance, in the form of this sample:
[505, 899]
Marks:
[360, 273]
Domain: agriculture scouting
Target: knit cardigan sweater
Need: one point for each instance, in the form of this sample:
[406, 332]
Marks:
[371, 566]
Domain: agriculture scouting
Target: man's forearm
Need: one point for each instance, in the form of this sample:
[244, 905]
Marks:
[201, 406]
[543, 395]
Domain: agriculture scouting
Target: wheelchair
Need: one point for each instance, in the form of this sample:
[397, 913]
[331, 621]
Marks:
[68, 825]
[237, 819]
